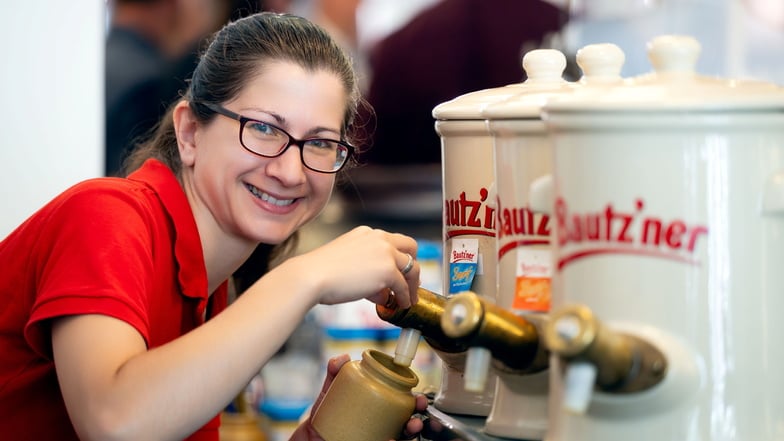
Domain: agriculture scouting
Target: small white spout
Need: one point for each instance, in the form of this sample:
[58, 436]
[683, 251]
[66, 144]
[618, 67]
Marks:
[407, 345]
[568, 327]
[476, 369]
[540, 194]
[578, 386]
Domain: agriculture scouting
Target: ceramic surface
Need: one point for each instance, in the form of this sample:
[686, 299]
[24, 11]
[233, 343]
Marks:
[523, 168]
[369, 400]
[668, 225]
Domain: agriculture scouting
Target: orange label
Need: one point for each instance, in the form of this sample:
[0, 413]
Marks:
[532, 294]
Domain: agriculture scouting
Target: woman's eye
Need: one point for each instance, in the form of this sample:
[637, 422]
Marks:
[261, 128]
[320, 143]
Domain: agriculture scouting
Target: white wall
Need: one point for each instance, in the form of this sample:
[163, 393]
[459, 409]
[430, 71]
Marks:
[377, 18]
[51, 101]
[739, 38]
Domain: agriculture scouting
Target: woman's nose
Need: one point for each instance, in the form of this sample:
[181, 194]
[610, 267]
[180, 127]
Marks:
[288, 167]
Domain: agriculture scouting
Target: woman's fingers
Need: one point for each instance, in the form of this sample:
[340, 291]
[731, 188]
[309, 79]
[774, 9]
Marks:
[364, 261]
[404, 289]
[415, 423]
[333, 367]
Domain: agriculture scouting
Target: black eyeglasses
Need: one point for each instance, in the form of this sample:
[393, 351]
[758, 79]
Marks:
[270, 141]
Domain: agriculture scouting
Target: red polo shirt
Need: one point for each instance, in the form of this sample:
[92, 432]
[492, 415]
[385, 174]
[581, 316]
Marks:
[126, 248]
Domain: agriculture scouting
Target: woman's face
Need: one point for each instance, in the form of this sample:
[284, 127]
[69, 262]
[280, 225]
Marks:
[266, 199]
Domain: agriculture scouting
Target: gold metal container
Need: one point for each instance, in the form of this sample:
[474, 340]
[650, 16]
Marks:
[369, 400]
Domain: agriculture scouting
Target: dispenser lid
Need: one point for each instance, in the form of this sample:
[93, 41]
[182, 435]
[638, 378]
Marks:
[674, 84]
[601, 65]
[544, 70]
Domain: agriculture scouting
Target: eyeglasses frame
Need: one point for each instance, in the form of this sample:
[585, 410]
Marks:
[292, 140]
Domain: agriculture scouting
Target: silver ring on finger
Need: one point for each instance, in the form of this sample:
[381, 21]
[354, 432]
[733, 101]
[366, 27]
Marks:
[409, 265]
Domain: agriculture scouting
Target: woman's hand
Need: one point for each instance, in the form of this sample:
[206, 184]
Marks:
[306, 432]
[414, 424]
[363, 263]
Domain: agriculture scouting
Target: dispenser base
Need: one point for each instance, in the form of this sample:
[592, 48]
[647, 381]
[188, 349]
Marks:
[440, 426]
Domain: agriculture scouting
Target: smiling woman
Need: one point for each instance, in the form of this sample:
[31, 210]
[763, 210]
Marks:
[116, 292]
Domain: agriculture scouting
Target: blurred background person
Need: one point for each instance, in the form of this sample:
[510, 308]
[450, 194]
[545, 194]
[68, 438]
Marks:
[449, 48]
[150, 50]
[339, 18]
[453, 47]
[152, 47]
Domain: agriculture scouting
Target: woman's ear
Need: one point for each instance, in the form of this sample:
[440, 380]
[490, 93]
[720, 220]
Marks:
[185, 126]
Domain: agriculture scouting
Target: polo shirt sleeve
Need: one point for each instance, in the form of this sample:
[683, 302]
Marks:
[94, 256]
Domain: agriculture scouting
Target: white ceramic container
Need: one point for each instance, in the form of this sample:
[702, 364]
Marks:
[469, 215]
[522, 160]
[669, 225]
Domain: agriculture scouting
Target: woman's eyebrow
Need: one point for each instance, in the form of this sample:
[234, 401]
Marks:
[282, 122]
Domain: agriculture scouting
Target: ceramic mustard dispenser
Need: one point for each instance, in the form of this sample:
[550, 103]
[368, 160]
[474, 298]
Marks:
[369, 400]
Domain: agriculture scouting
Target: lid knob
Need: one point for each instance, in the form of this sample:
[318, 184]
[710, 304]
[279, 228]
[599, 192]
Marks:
[544, 66]
[674, 53]
[601, 62]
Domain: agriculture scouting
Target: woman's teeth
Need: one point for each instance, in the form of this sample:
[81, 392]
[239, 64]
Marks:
[267, 198]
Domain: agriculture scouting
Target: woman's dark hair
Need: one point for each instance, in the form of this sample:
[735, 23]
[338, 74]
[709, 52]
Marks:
[236, 54]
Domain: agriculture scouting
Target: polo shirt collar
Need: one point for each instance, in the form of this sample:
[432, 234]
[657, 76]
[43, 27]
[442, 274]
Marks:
[192, 272]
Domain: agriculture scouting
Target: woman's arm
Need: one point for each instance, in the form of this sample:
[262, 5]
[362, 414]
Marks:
[114, 388]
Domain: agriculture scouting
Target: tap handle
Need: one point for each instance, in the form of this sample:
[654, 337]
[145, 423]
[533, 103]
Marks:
[425, 317]
[512, 340]
[624, 363]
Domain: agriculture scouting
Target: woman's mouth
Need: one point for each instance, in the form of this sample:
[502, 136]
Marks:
[268, 198]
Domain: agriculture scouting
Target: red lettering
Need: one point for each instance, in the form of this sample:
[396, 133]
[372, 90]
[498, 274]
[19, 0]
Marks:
[695, 231]
[543, 229]
[646, 230]
[462, 255]
[522, 222]
[610, 229]
[673, 234]
[466, 212]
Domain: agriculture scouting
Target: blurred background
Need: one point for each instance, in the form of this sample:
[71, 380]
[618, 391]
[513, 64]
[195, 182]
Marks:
[81, 80]
[55, 62]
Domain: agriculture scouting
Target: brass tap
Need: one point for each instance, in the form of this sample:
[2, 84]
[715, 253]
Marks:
[624, 363]
[424, 316]
[512, 340]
